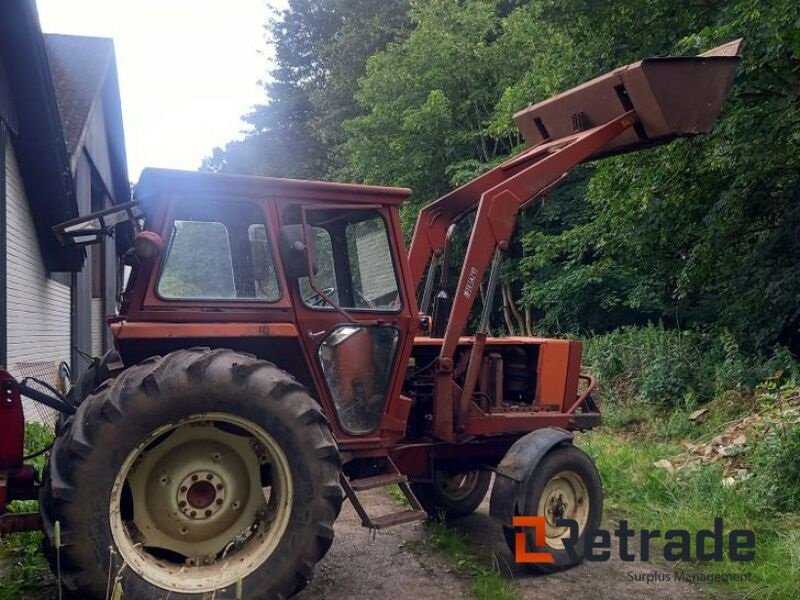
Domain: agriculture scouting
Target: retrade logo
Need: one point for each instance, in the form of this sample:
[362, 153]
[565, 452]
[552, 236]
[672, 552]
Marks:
[679, 544]
[521, 553]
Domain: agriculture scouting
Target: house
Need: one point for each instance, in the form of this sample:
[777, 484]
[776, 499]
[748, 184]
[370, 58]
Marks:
[62, 155]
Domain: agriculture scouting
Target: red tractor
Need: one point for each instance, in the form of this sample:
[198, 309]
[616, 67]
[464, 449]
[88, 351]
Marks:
[278, 349]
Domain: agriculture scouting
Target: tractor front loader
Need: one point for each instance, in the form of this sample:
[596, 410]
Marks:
[277, 349]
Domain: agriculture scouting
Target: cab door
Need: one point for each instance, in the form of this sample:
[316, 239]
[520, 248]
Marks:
[352, 313]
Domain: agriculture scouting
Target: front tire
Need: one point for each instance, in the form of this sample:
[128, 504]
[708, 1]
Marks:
[564, 485]
[189, 473]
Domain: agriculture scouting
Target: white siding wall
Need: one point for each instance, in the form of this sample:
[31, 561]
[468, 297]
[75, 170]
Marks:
[38, 307]
[98, 326]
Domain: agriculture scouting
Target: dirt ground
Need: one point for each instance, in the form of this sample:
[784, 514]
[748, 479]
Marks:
[362, 566]
[396, 564]
[383, 565]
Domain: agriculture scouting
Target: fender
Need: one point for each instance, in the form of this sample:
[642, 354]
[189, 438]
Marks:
[517, 467]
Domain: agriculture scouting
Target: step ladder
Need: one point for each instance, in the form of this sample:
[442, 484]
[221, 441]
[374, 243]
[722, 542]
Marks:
[390, 477]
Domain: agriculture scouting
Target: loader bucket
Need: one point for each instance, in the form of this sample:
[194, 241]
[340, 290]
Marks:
[672, 97]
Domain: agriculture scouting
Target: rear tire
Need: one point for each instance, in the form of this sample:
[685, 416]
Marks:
[565, 484]
[452, 495]
[141, 432]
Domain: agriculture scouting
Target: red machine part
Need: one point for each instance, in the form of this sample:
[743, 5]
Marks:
[17, 481]
[12, 423]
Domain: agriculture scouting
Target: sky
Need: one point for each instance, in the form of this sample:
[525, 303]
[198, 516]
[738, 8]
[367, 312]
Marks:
[188, 69]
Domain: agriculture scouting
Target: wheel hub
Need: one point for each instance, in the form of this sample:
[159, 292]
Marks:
[564, 497]
[201, 495]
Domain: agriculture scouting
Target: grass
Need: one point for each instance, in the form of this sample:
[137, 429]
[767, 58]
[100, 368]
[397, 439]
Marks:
[652, 498]
[398, 496]
[487, 583]
[22, 551]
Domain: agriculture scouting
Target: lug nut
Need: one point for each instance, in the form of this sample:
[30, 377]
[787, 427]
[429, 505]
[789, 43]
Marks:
[219, 501]
[220, 486]
[208, 513]
[209, 477]
[182, 503]
[195, 477]
[184, 488]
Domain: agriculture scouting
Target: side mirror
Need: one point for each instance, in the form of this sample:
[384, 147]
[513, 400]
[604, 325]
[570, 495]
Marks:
[294, 251]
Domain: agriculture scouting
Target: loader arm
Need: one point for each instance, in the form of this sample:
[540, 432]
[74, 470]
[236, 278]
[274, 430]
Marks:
[644, 104]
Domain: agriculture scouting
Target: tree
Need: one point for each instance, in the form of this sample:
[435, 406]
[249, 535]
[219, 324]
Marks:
[321, 48]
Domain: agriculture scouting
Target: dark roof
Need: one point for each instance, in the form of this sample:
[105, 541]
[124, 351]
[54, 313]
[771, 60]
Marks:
[83, 70]
[79, 65]
[38, 138]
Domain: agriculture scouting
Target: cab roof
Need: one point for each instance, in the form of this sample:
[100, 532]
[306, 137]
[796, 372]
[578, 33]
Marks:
[159, 182]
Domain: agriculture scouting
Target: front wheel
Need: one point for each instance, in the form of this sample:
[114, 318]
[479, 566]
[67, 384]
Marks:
[564, 485]
[190, 473]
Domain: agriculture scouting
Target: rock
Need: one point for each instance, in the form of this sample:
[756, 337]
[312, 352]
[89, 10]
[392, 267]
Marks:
[699, 415]
[728, 482]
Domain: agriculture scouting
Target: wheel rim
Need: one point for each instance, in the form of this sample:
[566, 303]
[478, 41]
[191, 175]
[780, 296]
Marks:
[564, 497]
[456, 486]
[201, 502]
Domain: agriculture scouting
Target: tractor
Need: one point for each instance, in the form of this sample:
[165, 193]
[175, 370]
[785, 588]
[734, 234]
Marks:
[278, 350]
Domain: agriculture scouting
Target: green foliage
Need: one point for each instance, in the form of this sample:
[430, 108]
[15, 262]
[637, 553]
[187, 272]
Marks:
[655, 499]
[37, 438]
[21, 553]
[671, 368]
[777, 465]
[487, 583]
[701, 232]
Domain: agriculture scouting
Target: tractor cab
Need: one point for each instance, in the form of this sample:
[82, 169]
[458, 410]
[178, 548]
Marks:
[311, 276]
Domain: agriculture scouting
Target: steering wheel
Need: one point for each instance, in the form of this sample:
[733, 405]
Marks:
[317, 300]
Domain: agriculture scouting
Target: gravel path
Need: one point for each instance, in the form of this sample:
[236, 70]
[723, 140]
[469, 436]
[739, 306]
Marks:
[360, 565]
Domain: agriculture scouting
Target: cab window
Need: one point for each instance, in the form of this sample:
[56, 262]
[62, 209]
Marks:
[353, 260]
[218, 251]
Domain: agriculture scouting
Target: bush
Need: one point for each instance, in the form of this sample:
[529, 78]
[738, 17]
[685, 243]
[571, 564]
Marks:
[651, 364]
[776, 462]
[677, 369]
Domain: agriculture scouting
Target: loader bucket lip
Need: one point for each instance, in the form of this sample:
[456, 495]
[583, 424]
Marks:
[673, 96]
